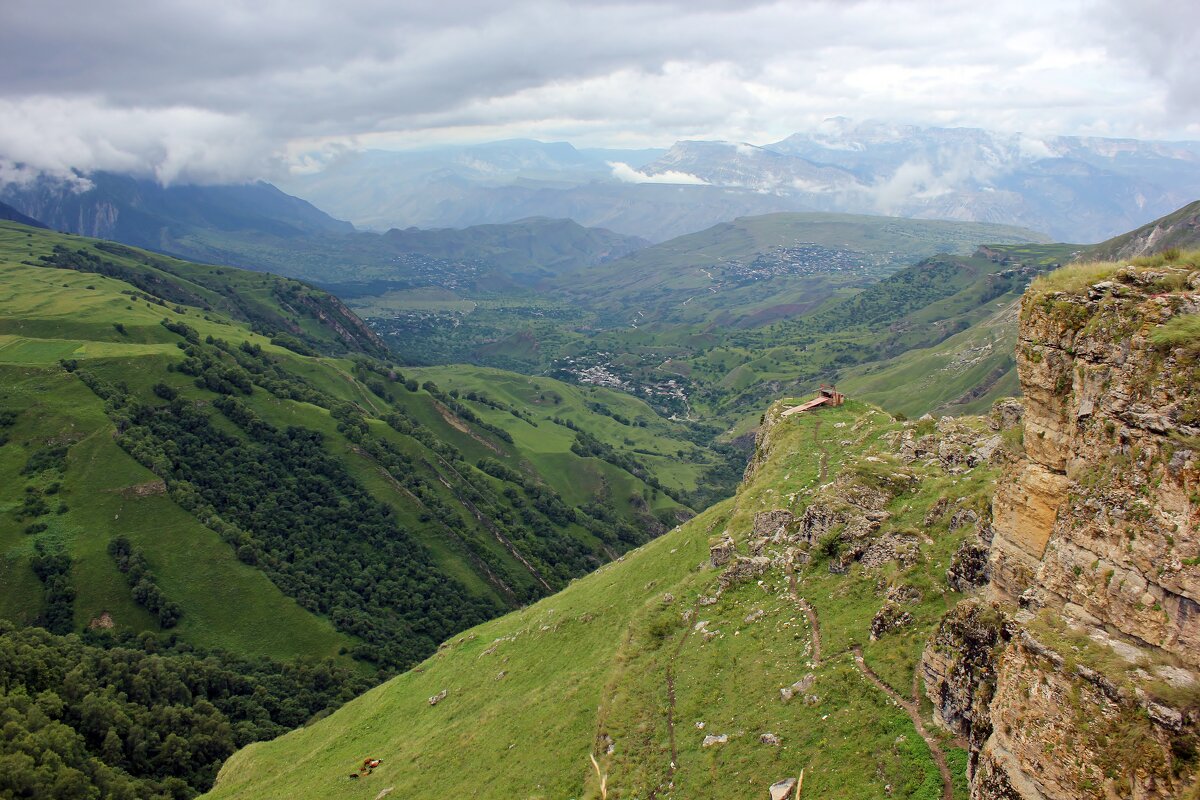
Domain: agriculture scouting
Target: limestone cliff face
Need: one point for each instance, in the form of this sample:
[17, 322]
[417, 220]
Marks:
[1100, 521]
[1090, 684]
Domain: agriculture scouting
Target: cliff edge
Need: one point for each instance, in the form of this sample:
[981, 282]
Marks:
[1077, 673]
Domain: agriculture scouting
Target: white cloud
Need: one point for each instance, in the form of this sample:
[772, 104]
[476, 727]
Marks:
[192, 89]
[58, 135]
[627, 174]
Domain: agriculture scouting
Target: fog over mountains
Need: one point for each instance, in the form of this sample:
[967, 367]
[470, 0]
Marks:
[1076, 189]
[1071, 188]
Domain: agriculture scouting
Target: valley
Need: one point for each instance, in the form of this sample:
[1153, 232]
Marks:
[599, 401]
[282, 490]
[563, 547]
[886, 607]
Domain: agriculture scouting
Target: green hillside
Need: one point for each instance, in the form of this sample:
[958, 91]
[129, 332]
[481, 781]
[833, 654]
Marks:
[713, 325]
[966, 372]
[637, 663]
[787, 259]
[154, 399]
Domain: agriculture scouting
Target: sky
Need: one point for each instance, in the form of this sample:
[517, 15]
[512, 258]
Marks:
[215, 91]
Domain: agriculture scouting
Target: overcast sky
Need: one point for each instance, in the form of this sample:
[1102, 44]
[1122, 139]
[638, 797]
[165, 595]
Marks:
[213, 90]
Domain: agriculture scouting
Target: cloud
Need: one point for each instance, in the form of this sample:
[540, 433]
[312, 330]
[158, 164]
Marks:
[206, 90]
[627, 174]
[58, 136]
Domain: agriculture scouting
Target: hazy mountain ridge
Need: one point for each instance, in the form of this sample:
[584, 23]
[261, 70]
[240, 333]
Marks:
[257, 226]
[1180, 230]
[1073, 188]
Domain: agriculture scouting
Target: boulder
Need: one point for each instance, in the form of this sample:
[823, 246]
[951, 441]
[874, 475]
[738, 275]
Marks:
[714, 739]
[769, 738]
[769, 523]
[1005, 414]
[720, 553]
[782, 790]
[968, 566]
[439, 697]
[889, 618]
[799, 687]
[743, 569]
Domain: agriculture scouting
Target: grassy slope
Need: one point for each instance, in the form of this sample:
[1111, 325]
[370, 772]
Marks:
[546, 449]
[965, 374]
[678, 267]
[194, 567]
[532, 694]
[52, 314]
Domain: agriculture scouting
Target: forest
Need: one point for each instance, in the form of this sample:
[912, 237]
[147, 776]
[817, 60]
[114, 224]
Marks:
[100, 715]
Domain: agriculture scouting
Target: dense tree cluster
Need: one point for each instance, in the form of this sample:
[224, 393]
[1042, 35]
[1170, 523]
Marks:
[486, 400]
[586, 445]
[7, 420]
[144, 587]
[86, 260]
[141, 717]
[52, 565]
[308, 524]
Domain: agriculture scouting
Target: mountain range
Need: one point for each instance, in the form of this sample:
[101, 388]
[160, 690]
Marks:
[1078, 189]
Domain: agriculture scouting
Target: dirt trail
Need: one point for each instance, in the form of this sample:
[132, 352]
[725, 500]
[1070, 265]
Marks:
[453, 421]
[914, 714]
[824, 453]
[815, 624]
[671, 707]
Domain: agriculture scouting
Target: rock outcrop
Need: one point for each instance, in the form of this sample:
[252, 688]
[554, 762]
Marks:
[1079, 674]
[1101, 519]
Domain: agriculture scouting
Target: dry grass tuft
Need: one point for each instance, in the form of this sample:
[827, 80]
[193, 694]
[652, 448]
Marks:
[1073, 277]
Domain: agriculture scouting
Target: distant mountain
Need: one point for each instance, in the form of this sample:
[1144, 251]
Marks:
[437, 187]
[744, 166]
[1180, 229]
[144, 214]
[10, 214]
[257, 226]
[537, 246]
[1073, 188]
[458, 187]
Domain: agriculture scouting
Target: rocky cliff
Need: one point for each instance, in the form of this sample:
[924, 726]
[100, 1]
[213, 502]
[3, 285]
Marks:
[1077, 673]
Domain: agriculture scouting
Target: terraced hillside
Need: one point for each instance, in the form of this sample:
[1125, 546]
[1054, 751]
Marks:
[777, 632]
[239, 432]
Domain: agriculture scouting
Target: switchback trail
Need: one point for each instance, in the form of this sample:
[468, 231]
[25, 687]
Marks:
[914, 714]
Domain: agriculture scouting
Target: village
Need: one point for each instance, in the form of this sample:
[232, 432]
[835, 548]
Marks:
[802, 258]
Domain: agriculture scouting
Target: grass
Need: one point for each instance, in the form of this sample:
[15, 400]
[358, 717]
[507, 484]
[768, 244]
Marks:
[1171, 257]
[1183, 330]
[546, 448]
[1073, 277]
[47, 315]
[1076, 277]
[226, 603]
[534, 696]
